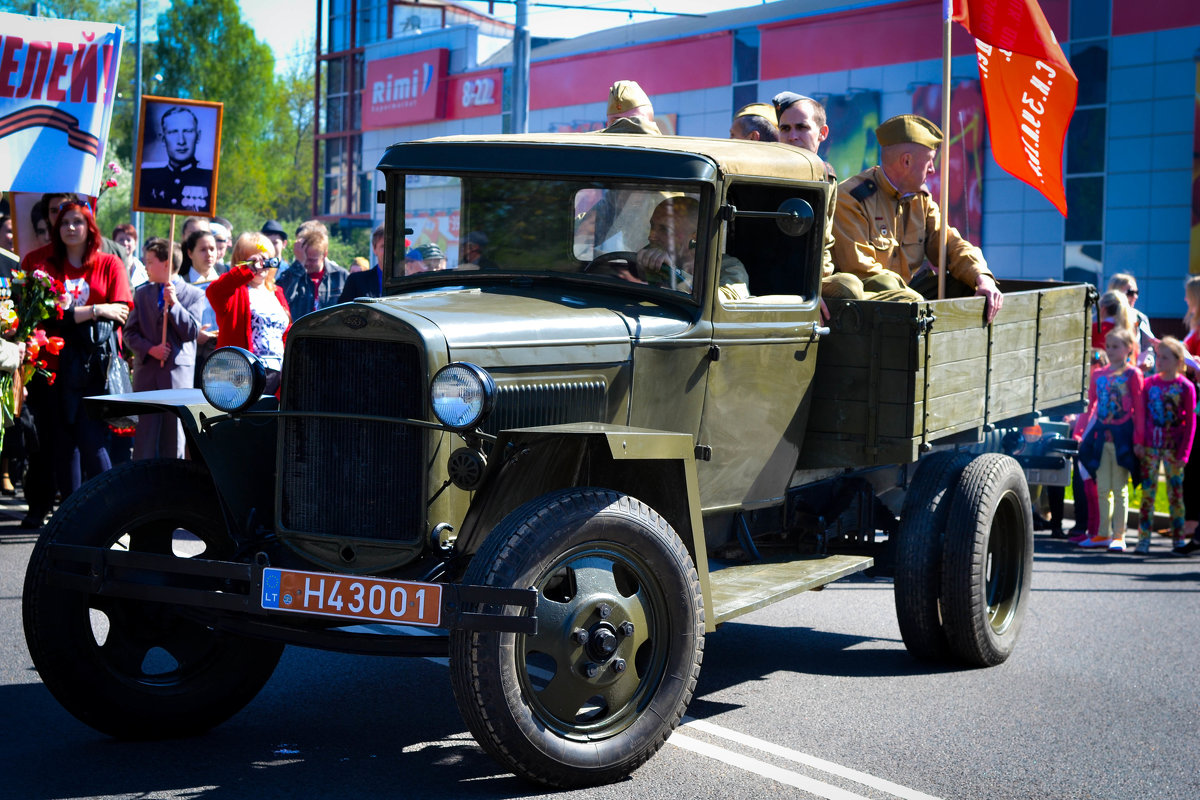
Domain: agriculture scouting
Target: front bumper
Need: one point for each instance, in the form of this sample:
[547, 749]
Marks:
[227, 595]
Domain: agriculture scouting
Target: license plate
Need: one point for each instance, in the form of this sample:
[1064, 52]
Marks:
[352, 597]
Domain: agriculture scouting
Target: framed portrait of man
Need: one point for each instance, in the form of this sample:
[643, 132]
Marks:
[178, 155]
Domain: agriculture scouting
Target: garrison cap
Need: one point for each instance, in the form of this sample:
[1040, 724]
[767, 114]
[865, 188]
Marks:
[909, 128]
[626, 96]
[764, 110]
[785, 100]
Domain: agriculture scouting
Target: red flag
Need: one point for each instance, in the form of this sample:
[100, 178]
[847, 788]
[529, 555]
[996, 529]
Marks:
[1029, 89]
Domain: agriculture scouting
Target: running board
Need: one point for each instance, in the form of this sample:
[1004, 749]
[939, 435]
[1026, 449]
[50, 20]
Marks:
[741, 588]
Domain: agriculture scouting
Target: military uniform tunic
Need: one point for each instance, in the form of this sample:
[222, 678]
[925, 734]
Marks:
[180, 189]
[876, 228]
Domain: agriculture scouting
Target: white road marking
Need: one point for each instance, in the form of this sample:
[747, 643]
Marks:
[718, 753]
[813, 762]
[778, 774]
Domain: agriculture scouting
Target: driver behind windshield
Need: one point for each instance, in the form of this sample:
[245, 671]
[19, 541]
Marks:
[669, 257]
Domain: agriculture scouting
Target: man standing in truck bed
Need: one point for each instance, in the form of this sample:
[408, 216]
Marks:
[887, 224]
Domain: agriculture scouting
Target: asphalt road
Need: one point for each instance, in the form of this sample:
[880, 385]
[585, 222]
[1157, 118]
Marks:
[813, 697]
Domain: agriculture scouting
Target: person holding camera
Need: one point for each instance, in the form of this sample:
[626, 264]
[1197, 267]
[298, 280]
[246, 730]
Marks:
[252, 312]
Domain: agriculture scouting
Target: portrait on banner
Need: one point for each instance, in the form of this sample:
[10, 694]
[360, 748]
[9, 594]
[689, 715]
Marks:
[179, 148]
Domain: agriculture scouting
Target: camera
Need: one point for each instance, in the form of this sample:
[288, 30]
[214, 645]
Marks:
[271, 263]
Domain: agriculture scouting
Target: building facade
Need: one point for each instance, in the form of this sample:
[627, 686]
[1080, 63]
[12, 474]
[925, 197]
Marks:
[393, 71]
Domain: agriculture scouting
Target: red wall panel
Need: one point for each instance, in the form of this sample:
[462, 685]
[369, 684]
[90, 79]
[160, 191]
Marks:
[1140, 16]
[871, 37]
[683, 65]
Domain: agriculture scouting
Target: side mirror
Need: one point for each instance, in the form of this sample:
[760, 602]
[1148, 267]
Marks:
[795, 217]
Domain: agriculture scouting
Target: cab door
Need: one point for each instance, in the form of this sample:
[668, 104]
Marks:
[763, 353]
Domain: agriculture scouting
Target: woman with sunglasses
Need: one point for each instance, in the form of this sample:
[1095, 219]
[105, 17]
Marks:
[95, 305]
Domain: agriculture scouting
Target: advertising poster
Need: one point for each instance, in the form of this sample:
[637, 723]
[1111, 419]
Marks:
[852, 120]
[964, 148]
[440, 227]
[57, 85]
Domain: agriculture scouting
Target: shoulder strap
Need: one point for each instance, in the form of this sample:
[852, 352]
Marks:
[864, 190]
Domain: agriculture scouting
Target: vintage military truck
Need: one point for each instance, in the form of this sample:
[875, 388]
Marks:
[566, 467]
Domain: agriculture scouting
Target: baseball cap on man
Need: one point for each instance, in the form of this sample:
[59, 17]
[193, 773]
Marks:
[626, 96]
[272, 226]
[909, 128]
[428, 251]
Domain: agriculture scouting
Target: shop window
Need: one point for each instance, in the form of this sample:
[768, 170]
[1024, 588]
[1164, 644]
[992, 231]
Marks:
[1085, 141]
[1089, 20]
[1085, 204]
[745, 55]
[1090, 62]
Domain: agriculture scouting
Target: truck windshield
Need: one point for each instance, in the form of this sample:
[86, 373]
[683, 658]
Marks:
[638, 234]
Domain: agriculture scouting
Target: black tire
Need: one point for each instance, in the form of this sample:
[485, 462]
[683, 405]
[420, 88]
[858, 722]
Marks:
[128, 668]
[919, 554]
[988, 562]
[529, 700]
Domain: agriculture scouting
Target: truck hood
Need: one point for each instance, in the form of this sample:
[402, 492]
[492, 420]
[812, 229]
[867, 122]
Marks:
[503, 327]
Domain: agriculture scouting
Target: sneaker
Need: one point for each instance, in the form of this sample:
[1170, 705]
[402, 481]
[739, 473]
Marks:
[1117, 546]
[1143, 547]
[1058, 533]
[1076, 538]
[1096, 541]
[1187, 548]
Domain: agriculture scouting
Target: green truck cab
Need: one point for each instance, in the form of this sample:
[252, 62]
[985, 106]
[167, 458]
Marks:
[565, 466]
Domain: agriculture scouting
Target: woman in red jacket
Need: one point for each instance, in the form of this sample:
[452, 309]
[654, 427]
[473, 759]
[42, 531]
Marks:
[94, 307]
[251, 310]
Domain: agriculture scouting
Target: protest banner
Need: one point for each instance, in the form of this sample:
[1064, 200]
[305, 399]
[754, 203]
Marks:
[57, 85]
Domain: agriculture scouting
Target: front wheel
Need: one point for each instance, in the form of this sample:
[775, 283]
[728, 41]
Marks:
[131, 668]
[599, 688]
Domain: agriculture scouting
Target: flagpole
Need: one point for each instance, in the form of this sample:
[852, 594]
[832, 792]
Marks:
[944, 183]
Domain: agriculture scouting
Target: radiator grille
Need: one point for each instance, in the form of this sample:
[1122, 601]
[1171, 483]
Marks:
[347, 477]
[526, 405]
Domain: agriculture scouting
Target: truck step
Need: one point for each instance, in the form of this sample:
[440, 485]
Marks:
[741, 588]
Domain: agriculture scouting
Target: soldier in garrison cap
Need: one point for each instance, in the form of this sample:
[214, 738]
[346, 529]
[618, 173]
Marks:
[755, 122]
[630, 110]
[802, 124]
[887, 224]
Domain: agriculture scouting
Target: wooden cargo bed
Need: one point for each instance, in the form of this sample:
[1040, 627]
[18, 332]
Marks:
[892, 377]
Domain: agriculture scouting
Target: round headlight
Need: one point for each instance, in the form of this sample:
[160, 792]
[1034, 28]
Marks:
[462, 395]
[232, 379]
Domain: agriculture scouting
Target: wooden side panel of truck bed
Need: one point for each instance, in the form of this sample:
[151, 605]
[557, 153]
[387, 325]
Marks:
[891, 377]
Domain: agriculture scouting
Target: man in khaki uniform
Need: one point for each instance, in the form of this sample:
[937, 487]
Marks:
[630, 110]
[755, 122]
[887, 224]
[802, 124]
[622, 217]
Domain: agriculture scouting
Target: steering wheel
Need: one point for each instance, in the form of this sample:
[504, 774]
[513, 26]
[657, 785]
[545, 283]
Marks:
[605, 259]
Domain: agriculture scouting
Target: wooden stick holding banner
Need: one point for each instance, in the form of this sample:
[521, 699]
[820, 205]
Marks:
[162, 362]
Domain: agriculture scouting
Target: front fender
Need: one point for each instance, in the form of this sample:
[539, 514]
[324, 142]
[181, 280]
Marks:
[656, 467]
[239, 453]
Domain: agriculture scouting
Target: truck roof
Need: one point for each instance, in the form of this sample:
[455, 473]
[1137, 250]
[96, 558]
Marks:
[599, 154]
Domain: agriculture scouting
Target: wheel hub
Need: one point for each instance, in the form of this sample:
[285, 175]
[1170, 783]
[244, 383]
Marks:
[602, 641]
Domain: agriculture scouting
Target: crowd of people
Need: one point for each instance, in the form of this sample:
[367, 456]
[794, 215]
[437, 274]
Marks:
[159, 307]
[172, 305]
[1140, 418]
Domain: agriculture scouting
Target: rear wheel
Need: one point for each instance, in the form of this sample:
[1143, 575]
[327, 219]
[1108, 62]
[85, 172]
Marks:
[131, 668]
[599, 688]
[988, 560]
[919, 554]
